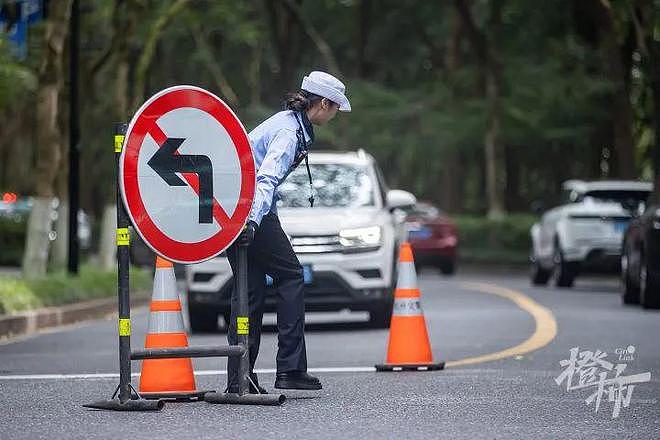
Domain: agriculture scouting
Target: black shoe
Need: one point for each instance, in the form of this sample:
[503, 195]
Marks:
[297, 380]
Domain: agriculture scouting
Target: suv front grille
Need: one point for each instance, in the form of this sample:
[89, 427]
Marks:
[316, 244]
[325, 244]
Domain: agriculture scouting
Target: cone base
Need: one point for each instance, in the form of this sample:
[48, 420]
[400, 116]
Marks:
[176, 395]
[411, 367]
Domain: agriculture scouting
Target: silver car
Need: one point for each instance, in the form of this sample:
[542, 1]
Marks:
[347, 243]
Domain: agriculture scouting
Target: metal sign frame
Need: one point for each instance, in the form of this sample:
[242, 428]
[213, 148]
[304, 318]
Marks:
[126, 397]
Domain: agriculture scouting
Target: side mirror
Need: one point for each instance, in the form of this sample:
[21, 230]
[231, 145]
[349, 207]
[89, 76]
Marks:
[631, 205]
[399, 199]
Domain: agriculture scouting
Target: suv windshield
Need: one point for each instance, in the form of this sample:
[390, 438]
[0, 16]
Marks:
[335, 186]
[618, 196]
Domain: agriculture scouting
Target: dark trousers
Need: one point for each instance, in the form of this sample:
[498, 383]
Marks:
[271, 253]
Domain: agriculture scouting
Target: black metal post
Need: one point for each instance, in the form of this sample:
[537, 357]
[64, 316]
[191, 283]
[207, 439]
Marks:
[244, 397]
[74, 138]
[123, 291]
[126, 401]
[243, 322]
[187, 352]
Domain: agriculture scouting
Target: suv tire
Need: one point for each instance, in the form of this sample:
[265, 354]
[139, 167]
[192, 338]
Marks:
[631, 289]
[448, 267]
[540, 276]
[650, 286]
[565, 271]
[202, 320]
[380, 315]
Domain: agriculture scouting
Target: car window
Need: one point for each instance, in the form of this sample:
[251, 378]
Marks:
[617, 196]
[335, 186]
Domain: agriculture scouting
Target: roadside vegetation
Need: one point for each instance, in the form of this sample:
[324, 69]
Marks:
[58, 288]
[494, 241]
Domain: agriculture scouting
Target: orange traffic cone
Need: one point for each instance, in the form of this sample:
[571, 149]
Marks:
[408, 347]
[166, 378]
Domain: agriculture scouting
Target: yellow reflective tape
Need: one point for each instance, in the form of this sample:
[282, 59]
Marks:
[119, 142]
[242, 325]
[124, 327]
[123, 238]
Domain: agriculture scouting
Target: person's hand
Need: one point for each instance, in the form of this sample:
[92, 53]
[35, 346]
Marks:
[247, 235]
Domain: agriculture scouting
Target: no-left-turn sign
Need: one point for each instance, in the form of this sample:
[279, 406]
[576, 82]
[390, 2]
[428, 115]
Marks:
[187, 174]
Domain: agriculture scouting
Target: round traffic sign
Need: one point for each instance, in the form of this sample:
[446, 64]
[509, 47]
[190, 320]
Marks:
[187, 174]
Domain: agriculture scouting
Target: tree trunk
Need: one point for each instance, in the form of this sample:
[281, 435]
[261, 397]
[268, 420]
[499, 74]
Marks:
[108, 245]
[122, 99]
[49, 139]
[37, 241]
[490, 71]
[364, 16]
[622, 116]
[616, 60]
[60, 250]
[321, 45]
[654, 62]
[254, 76]
[204, 49]
[285, 37]
[495, 173]
[155, 33]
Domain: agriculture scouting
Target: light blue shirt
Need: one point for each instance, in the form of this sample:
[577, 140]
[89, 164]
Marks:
[274, 144]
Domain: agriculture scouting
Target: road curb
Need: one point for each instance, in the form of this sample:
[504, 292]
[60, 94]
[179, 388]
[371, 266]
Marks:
[25, 323]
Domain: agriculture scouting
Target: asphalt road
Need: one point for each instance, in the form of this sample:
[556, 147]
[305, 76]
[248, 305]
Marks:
[470, 315]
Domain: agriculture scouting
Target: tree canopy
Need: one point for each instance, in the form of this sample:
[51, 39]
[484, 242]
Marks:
[474, 105]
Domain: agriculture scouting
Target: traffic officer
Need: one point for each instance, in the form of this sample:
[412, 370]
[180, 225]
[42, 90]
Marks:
[279, 144]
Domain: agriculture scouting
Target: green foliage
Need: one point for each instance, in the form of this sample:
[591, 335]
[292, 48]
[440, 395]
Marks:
[495, 241]
[422, 117]
[17, 294]
[16, 79]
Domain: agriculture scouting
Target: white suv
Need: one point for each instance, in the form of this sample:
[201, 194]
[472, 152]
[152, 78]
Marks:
[347, 243]
[585, 233]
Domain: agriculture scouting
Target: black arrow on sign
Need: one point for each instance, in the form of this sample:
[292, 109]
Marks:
[167, 163]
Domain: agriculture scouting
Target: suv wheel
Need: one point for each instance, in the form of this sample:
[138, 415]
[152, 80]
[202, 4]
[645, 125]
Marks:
[448, 267]
[630, 288]
[649, 295]
[380, 315]
[540, 276]
[202, 320]
[564, 271]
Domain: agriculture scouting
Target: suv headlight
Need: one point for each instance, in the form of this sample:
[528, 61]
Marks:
[361, 237]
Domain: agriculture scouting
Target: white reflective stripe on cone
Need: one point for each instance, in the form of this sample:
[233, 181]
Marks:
[407, 278]
[407, 307]
[165, 285]
[166, 322]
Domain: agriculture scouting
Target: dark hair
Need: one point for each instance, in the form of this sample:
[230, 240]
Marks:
[300, 100]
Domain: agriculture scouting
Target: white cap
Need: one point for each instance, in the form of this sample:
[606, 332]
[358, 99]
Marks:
[327, 86]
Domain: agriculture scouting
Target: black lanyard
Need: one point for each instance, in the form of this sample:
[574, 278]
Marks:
[302, 152]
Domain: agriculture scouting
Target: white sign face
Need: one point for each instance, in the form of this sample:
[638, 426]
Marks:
[187, 174]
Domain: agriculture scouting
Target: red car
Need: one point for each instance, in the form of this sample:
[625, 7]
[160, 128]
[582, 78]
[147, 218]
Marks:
[433, 237]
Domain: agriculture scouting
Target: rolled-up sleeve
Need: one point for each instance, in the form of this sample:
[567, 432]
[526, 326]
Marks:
[279, 158]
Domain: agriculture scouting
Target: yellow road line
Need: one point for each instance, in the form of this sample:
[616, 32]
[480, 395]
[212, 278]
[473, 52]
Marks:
[544, 333]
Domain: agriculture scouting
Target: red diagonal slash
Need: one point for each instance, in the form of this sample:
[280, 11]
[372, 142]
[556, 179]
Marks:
[191, 178]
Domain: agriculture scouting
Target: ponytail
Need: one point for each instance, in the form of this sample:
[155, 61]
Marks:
[300, 101]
